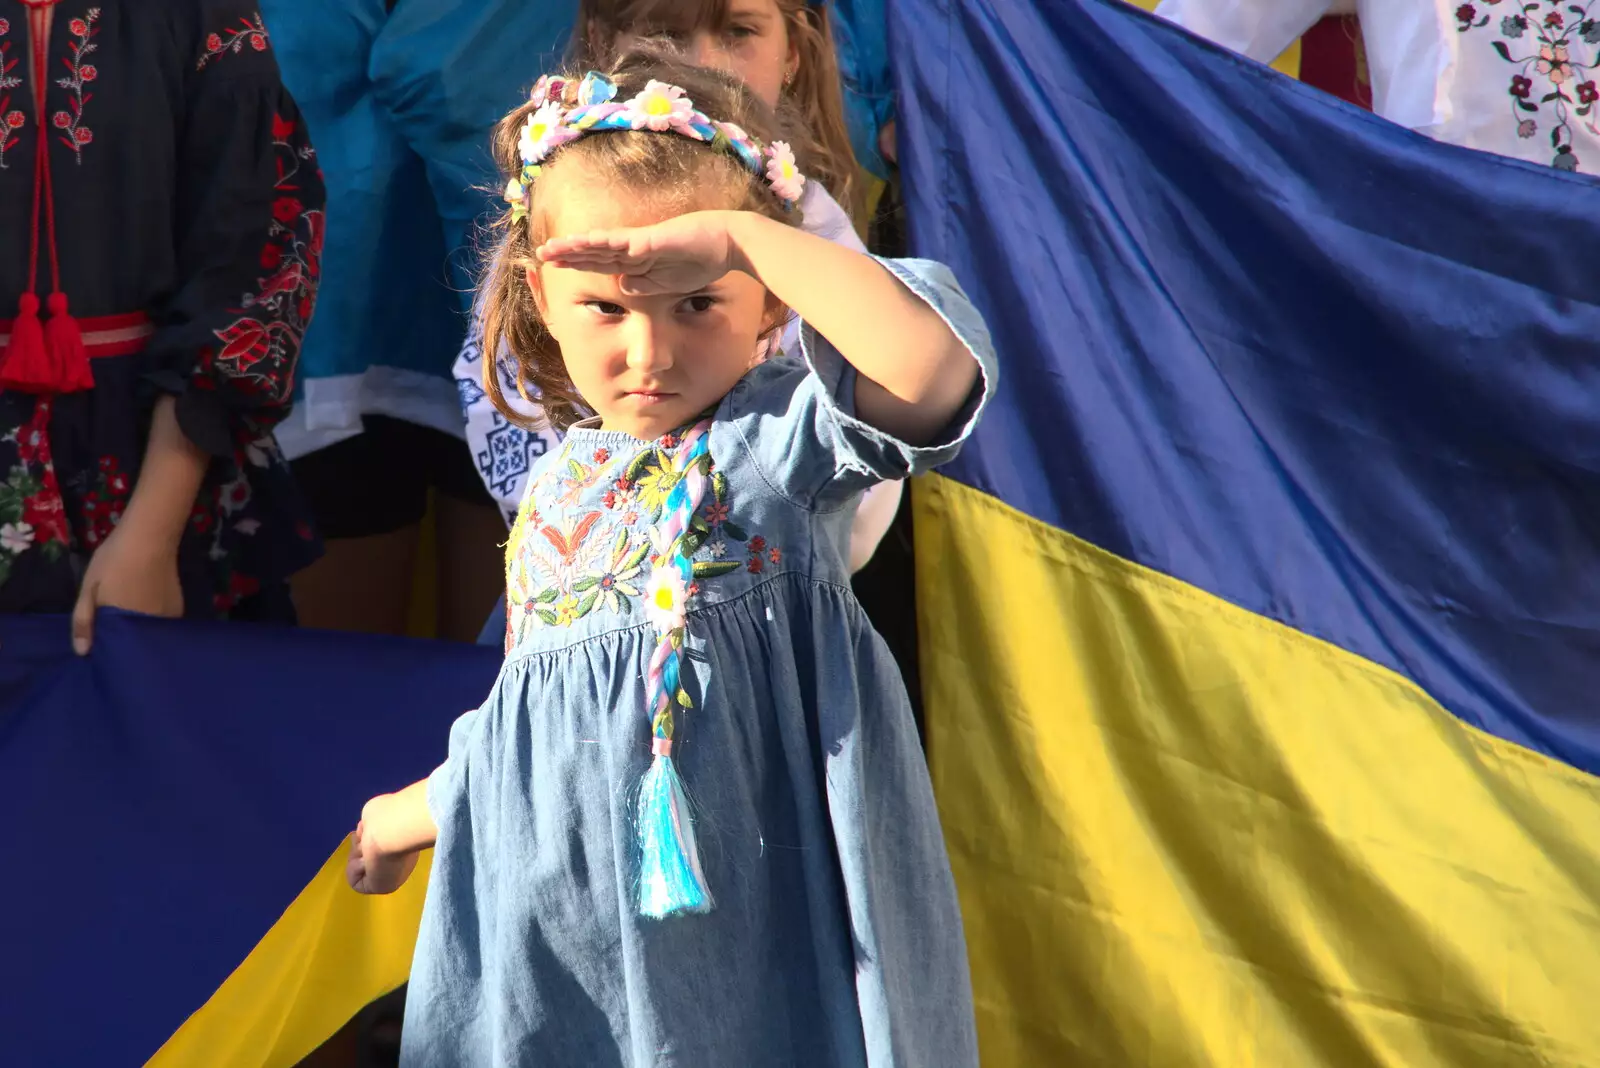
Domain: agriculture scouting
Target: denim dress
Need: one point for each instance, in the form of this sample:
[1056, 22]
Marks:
[835, 938]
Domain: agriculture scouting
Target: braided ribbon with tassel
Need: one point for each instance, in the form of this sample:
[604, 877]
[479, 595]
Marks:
[670, 877]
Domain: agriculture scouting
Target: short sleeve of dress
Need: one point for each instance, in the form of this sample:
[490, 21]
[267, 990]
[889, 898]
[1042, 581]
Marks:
[249, 238]
[446, 781]
[797, 414]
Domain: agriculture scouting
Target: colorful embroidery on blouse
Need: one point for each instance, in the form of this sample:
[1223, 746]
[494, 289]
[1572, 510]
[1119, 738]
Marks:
[32, 515]
[260, 347]
[11, 119]
[74, 134]
[250, 31]
[560, 570]
[1553, 49]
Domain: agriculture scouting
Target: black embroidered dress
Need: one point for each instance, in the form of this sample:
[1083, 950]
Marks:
[160, 231]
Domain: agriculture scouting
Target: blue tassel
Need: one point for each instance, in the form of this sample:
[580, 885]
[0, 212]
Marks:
[670, 879]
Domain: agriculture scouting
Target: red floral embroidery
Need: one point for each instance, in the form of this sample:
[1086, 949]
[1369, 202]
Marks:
[234, 495]
[47, 515]
[259, 348]
[74, 134]
[11, 120]
[103, 506]
[250, 31]
[239, 587]
[201, 518]
[757, 546]
[32, 515]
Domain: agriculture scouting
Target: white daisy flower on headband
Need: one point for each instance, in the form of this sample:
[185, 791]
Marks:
[782, 174]
[515, 193]
[661, 107]
[543, 133]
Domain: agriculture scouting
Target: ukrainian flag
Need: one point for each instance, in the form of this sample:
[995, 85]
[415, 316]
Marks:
[172, 888]
[1261, 622]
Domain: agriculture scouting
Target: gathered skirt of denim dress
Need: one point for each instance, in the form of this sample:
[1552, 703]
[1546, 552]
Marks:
[835, 938]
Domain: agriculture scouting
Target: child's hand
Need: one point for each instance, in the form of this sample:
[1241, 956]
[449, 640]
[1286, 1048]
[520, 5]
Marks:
[681, 255]
[371, 870]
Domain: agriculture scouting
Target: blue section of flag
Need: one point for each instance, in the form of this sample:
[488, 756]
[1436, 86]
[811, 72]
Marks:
[1276, 347]
[169, 796]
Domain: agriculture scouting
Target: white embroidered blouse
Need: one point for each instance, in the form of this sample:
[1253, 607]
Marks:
[1513, 77]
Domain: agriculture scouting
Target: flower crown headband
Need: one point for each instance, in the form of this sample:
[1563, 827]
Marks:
[659, 108]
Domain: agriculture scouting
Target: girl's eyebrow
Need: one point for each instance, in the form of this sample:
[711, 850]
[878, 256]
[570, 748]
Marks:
[748, 14]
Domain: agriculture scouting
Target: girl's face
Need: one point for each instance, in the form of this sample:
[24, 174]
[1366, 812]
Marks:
[645, 365]
[754, 46]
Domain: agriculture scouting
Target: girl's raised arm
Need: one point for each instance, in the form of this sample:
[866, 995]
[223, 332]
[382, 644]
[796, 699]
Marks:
[914, 373]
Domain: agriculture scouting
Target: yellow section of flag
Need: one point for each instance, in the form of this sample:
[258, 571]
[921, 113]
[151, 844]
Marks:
[331, 953]
[1186, 835]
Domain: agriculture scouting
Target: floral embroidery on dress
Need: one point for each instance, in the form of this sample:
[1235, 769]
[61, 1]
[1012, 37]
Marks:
[105, 502]
[222, 514]
[32, 515]
[602, 559]
[74, 134]
[1539, 39]
[11, 119]
[260, 347]
[251, 31]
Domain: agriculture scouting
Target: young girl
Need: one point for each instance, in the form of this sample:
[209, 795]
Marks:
[680, 606]
[783, 51]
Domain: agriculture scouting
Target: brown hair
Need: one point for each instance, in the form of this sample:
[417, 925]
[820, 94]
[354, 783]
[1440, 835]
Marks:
[660, 166]
[815, 93]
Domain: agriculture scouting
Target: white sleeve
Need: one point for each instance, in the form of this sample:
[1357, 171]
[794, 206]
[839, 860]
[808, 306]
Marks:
[1260, 29]
[502, 451]
[821, 215]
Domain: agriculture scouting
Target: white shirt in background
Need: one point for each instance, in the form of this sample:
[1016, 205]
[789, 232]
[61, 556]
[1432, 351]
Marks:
[1513, 77]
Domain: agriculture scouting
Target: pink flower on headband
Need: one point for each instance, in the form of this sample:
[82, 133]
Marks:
[547, 88]
[661, 107]
[782, 174]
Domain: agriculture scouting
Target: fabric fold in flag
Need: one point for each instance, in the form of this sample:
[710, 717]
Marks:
[176, 805]
[1261, 621]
